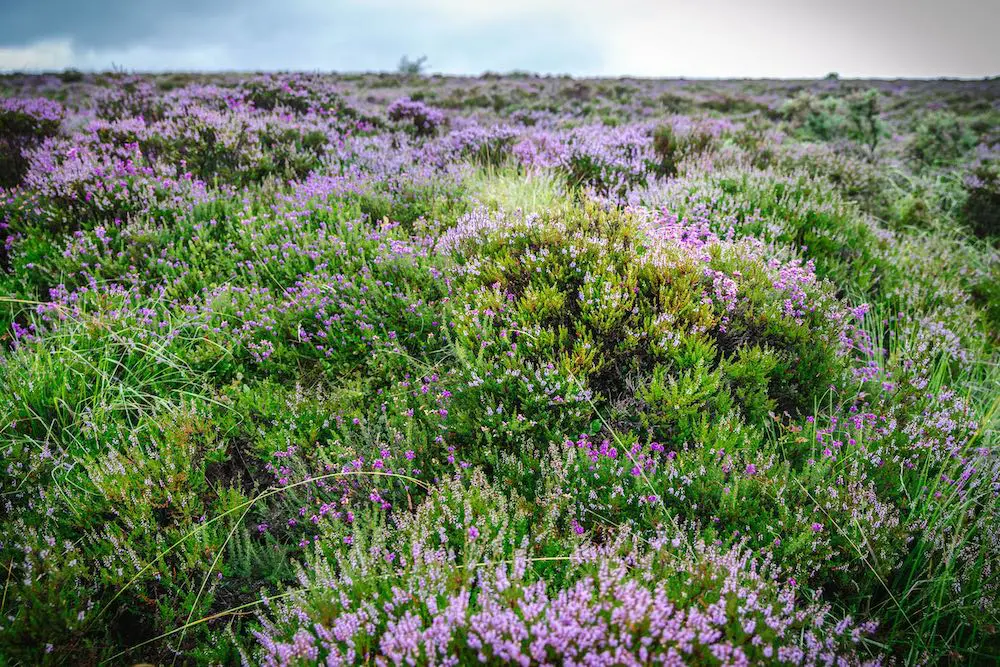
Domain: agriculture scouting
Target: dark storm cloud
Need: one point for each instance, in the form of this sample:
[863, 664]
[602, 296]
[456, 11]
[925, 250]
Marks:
[109, 23]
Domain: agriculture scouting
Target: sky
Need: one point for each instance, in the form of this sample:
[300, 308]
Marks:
[648, 38]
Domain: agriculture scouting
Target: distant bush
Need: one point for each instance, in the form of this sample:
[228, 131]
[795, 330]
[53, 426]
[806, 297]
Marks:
[939, 138]
[864, 120]
[818, 119]
[412, 67]
[71, 75]
[267, 95]
[857, 117]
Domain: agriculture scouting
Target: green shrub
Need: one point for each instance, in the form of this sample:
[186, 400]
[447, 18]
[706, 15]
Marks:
[940, 138]
[981, 211]
[585, 307]
[815, 118]
[864, 120]
[670, 148]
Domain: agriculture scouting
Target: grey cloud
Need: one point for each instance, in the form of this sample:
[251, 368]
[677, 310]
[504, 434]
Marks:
[109, 23]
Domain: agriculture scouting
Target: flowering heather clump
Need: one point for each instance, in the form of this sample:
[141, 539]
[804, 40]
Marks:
[639, 607]
[24, 123]
[424, 119]
[480, 145]
[608, 160]
[302, 369]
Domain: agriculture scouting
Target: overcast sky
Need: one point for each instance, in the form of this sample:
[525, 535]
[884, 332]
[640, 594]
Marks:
[693, 38]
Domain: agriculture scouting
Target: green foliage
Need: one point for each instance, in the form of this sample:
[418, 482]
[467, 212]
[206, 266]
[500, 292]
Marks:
[798, 212]
[817, 119]
[864, 120]
[981, 211]
[505, 188]
[940, 138]
[857, 116]
[71, 75]
[749, 372]
[669, 148]
[579, 312]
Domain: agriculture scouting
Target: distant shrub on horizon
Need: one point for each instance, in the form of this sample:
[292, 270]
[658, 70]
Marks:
[412, 67]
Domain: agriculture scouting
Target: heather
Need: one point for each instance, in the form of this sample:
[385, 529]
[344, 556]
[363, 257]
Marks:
[396, 369]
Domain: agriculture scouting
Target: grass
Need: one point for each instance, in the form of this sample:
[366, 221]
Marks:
[509, 188]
